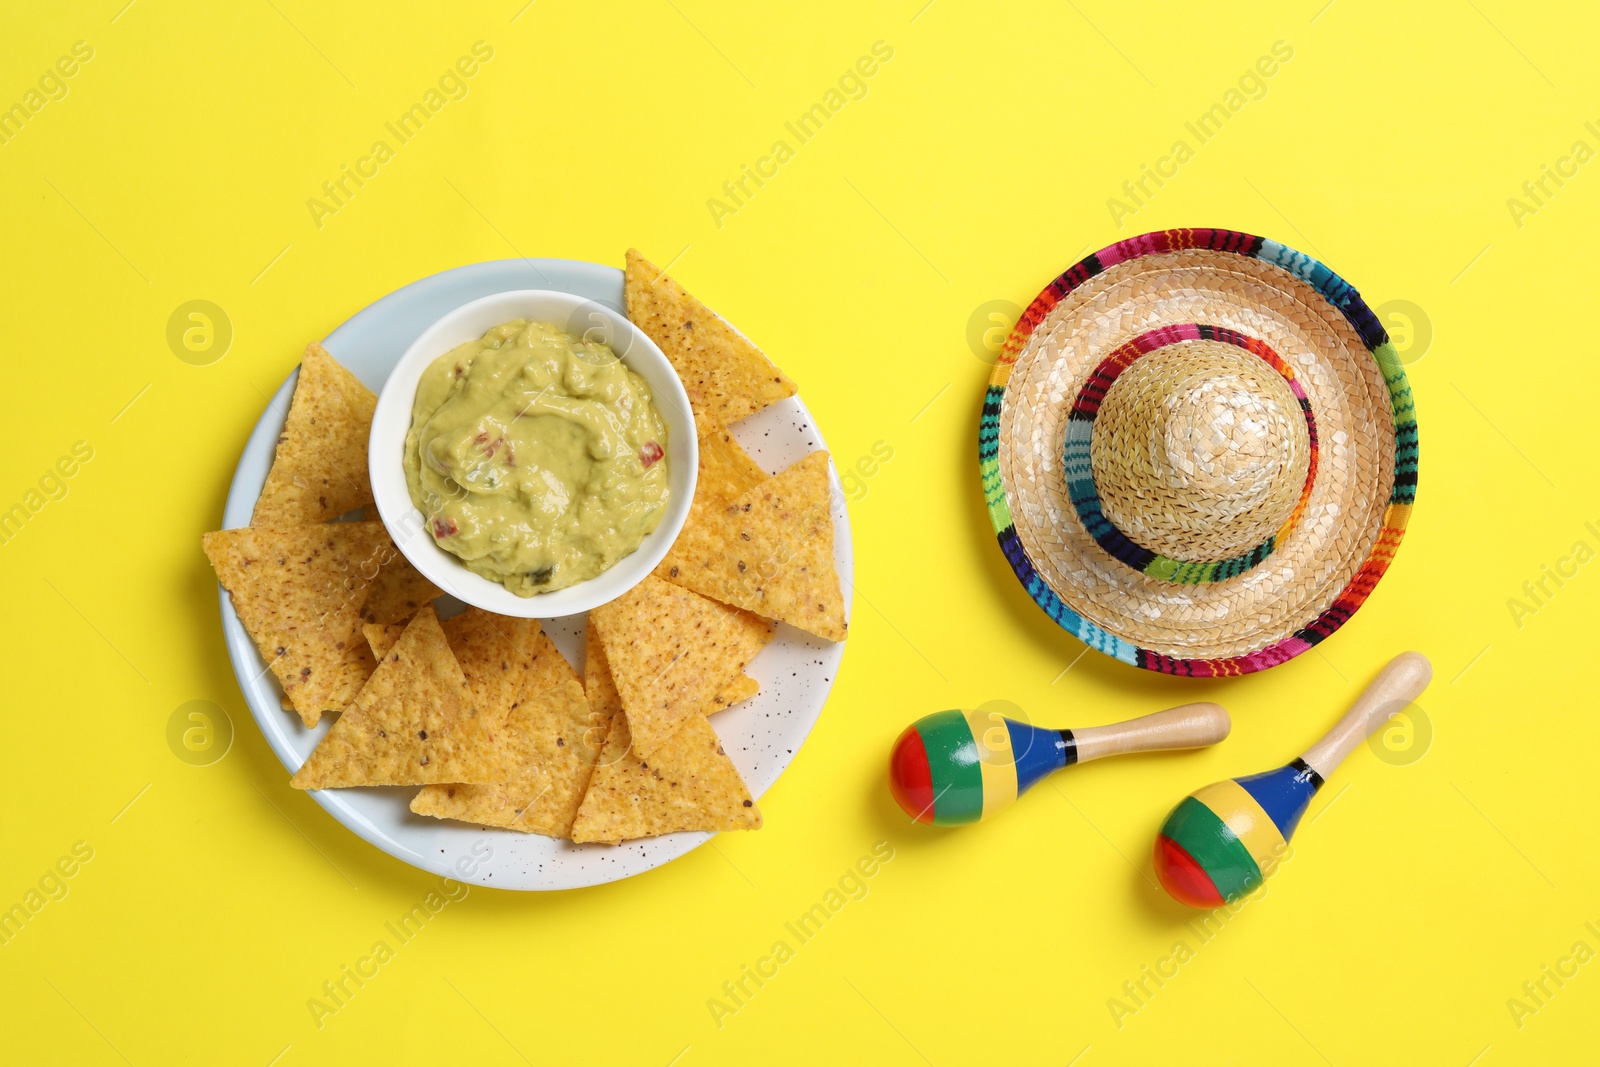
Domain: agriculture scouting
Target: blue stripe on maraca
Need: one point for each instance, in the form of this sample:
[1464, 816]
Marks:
[1284, 793]
[1038, 752]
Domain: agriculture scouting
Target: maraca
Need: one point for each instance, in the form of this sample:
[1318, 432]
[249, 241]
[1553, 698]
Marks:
[956, 767]
[1222, 841]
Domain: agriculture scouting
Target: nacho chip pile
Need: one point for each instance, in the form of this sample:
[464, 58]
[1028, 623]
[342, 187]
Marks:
[482, 711]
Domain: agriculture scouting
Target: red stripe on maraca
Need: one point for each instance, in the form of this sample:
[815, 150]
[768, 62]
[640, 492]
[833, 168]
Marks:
[909, 778]
[1183, 877]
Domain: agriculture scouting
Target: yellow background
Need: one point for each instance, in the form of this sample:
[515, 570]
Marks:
[1423, 892]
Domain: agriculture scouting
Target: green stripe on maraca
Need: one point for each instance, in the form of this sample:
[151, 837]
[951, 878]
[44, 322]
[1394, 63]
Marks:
[953, 768]
[1227, 861]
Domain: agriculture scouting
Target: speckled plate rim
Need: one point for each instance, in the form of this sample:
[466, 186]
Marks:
[1347, 301]
[762, 735]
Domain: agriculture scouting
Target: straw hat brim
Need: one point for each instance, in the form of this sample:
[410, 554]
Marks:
[1355, 507]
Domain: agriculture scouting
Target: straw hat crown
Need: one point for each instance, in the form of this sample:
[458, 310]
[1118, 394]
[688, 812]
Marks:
[1197, 454]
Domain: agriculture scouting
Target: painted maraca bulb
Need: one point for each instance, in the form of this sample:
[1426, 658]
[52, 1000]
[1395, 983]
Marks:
[955, 767]
[1222, 841]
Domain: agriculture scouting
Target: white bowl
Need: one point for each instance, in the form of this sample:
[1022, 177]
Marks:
[390, 423]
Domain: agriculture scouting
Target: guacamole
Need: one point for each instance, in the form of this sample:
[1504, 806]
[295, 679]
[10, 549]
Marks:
[536, 457]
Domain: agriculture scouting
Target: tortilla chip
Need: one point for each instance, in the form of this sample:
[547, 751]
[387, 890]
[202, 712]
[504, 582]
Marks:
[726, 377]
[671, 651]
[688, 784]
[598, 684]
[397, 592]
[381, 638]
[741, 688]
[726, 471]
[601, 688]
[320, 470]
[548, 735]
[298, 591]
[495, 653]
[415, 722]
[769, 551]
[617, 762]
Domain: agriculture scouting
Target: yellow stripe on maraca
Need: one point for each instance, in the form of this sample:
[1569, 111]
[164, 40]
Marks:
[1246, 820]
[996, 762]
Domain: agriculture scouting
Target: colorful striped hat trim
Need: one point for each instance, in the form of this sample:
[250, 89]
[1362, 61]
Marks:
[1342, 297]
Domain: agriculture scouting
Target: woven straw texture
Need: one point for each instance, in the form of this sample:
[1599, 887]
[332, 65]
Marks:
[1198, 454]
[1199, 451]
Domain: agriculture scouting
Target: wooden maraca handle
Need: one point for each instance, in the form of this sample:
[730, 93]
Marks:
[1188, 726]
[1401, 681]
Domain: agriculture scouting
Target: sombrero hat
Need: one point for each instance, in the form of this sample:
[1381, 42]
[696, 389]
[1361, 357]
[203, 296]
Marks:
[1199, 451]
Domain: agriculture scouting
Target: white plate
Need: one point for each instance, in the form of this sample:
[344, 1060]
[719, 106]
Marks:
[762, 735]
